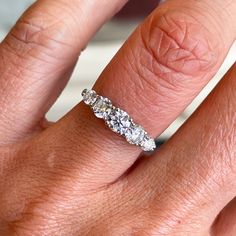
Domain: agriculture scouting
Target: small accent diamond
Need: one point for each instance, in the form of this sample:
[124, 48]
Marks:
[119, 121]
[102, 107]
[135, 134]
[89, 96]
[148, 144]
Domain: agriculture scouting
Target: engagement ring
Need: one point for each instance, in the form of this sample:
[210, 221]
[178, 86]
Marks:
[118, 120]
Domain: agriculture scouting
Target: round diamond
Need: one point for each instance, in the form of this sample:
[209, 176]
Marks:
[102, 107]
[148, 144]
[84, 92]
[119, 121]
[89, 96]
[135, 134]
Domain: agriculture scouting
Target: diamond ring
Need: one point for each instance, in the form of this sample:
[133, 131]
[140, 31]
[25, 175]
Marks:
[118, 120]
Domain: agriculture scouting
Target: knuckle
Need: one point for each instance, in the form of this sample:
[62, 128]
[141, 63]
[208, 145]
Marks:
[26, 32]
[166, 53]
[38, 38]
[177, 44]
[25, 36]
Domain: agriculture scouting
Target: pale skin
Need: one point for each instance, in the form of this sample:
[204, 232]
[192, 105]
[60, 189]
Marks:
[62, 179]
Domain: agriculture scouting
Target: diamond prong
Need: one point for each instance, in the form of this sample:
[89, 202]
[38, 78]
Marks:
[118, 120]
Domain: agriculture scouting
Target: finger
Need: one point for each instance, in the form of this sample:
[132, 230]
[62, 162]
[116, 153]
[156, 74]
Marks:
[178, 193]
[38, 55]
[154, 76]
[193, 176]
[225, 223]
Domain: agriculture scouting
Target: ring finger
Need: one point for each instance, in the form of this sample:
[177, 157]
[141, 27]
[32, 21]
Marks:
[155, 75]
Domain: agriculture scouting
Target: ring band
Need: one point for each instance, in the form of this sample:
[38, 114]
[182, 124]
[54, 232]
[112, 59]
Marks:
[118, 120]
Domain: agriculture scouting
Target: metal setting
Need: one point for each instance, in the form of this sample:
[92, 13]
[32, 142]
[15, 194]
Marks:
[118, 120]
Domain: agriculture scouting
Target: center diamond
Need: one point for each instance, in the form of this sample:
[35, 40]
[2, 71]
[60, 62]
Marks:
[119, 121]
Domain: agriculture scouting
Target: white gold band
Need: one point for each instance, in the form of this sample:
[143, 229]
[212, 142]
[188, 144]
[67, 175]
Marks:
[118, 120]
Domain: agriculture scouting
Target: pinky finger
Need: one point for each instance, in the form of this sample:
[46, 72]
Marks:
[225, 223]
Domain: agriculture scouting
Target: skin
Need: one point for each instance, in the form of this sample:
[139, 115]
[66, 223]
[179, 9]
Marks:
[76, 177]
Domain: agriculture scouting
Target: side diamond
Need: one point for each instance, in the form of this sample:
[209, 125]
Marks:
[148, 144]
[102, 107]
[135, 134]
[89, 96]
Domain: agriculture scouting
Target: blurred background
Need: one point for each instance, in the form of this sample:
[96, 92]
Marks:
[100, 51]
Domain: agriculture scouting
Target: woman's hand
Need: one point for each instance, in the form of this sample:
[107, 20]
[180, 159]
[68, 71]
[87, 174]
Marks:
[76, 177]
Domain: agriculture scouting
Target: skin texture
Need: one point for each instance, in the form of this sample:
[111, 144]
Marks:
[62, 179]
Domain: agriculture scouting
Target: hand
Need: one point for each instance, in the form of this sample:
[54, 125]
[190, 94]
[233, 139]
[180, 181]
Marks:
[76, 177]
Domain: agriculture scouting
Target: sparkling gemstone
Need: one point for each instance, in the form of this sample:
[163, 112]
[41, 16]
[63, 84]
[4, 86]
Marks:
[89, 96]
[119, 121]
[135, 134]
[102, 107]
[148, 144]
